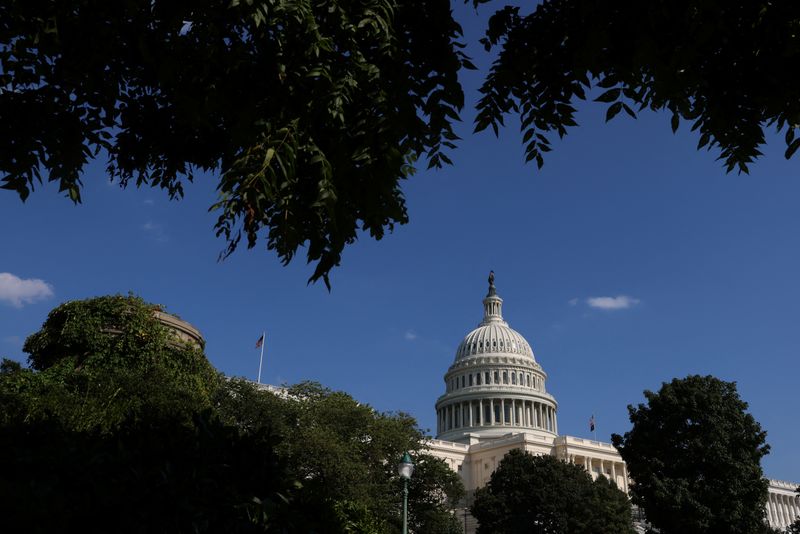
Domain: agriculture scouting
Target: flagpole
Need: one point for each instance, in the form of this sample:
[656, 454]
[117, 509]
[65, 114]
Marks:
[261, 360]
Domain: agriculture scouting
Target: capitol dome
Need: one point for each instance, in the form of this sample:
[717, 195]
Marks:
[494, 386]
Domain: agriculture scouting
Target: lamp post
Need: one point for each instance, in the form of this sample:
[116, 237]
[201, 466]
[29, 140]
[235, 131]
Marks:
[405, 468]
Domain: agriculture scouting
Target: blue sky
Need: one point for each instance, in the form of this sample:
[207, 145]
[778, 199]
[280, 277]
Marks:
[708, 262]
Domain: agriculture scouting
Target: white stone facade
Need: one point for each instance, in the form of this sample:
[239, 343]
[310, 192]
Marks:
[495, 400]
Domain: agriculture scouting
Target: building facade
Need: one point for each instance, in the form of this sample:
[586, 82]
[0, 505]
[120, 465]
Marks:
[496, 400]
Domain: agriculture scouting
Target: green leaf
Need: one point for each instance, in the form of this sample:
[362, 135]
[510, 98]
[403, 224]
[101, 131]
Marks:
[792, 148]
[613, 110]
[609, 96]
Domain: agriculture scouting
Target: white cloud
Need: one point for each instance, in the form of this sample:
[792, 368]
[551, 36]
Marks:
[410, 335]
[155, 230]
[620, 302]
[573, 302]
[20, 291]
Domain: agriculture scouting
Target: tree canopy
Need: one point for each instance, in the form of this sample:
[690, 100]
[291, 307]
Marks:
[541, 494]
[313, 112]
[695, 456]
[118, 422]
[720, 65]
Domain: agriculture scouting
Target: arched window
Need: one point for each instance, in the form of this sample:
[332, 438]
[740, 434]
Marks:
[478, 379]
[505, 377]
[470, 379]
[514, 378]
[528, 377]
[488, 377]
[496, 377]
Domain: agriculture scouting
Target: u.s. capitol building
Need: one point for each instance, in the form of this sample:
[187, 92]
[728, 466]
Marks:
[495, 400]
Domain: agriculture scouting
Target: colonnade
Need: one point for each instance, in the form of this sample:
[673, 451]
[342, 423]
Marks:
[608, 468]
[500, 411]
[782, 509]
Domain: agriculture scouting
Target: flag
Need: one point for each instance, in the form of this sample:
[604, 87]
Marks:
[260, 341]
[591, 423]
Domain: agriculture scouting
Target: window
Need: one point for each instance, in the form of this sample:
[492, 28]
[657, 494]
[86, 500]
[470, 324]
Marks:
[505, 377]
[529, 380]
[488, 378]
[463, 381]
[470, 379]
[478, 379]
[496, 377]
[520, 379]
[514, 379]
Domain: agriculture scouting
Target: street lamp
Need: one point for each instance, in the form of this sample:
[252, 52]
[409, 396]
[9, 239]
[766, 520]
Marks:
[405, 468]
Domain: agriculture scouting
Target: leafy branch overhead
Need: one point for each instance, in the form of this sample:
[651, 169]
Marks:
[312, 111]
[724, 66]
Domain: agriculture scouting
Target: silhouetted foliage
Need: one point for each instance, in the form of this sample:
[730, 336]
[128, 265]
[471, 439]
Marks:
[695, 456]
[720, 65]
[121, 427]
[311, 112]
[541, 494]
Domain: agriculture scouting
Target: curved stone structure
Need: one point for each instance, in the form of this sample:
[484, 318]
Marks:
[180, 329]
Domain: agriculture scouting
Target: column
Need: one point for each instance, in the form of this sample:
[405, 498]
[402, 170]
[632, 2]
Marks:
[502, 411]
[491, 412]
[471, 422]
[780, 510]
[614, 473]
[555, 421]
[514, 420]
[483, 415]
[771, 511]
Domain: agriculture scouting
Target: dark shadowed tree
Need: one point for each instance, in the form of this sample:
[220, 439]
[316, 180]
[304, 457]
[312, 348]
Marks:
[719, 65]
[346, 455]
[541, 494]
[312, 112]
[695, 456]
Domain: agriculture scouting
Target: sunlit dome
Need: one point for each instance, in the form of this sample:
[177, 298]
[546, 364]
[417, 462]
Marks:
[493, 336]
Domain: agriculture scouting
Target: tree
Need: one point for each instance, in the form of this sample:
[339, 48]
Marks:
[694, 454]
[312, 112]
[719, 64]
[346, 454]
[542, 494]
[100, 361]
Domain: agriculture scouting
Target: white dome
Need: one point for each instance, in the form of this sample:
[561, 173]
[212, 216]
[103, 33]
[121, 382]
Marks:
[493, 336]
[495, 385]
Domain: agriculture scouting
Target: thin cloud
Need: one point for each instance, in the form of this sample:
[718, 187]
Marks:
[573, 302]
[148, 202]
[410, 335]
[156, 231]
[620, 302]
[20, 291]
